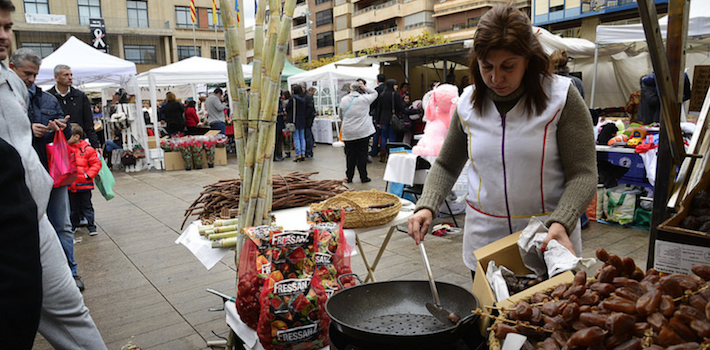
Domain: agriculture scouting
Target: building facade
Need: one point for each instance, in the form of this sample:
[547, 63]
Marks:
[580, 18]
[385, 22]
[458, 19]
[148, 33]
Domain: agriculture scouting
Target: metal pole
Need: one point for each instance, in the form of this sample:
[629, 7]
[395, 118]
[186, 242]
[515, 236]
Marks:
[194, 40]
[308, 34]
[594, 76]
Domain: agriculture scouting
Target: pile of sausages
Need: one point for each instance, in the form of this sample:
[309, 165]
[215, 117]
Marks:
[621, 308]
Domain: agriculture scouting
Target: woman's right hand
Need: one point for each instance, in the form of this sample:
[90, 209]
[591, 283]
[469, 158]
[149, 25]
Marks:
[419, 223]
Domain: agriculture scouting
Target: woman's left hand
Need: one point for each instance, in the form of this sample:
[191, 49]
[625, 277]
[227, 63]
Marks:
[558, 233]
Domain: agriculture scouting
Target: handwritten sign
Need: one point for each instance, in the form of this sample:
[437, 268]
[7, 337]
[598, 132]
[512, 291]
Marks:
[701, 81]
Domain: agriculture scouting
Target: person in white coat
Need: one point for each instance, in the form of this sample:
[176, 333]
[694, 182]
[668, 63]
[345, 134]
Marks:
[64, 321]
[357, 128]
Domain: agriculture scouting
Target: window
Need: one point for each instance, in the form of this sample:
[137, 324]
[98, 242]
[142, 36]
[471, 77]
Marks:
[327, 55]
[250, 44]
[42, 49]
[187, 52]
[137, 14]
[318, 2]
[473, 22]
[210, 19]
[183, 18]
[40, 7]
[557, 8]
[89, 9]
[324, 17]
[140, 54]
[324, 39]
[214, 55]
[342, 22]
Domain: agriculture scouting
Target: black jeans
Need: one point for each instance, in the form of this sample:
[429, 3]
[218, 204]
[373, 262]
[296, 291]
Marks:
[356, 155]
[80, 204]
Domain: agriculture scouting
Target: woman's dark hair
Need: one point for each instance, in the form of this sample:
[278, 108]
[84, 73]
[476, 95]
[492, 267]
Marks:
[191, 103]
[287, 95]
[389, 85]
[297, 89]
[504, 27]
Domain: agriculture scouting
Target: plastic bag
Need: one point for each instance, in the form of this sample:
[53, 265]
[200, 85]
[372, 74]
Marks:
[332, 257]
[254, 268]
[621, 204]
[105, 181]
[62, 163]
[291, 305]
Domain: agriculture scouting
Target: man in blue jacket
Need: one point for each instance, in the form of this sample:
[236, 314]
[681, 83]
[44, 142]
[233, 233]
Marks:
[47, 117]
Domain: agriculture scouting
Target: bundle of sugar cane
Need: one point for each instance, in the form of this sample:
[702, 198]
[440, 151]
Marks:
[254, 127]
[290, 190]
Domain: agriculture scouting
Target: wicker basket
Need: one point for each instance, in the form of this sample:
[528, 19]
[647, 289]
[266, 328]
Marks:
[361, 214]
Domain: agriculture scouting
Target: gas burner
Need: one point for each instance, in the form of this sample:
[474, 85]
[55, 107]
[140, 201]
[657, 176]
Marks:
[340, 341]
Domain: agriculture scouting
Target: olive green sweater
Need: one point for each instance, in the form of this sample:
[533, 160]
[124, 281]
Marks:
[575, 139]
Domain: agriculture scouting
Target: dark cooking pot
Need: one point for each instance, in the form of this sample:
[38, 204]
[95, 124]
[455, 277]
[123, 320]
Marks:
[394, 312]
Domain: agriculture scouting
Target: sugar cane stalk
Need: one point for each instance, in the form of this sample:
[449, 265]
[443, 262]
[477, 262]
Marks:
[257, 193]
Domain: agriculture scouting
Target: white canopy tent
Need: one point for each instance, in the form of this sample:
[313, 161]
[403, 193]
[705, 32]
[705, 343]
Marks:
[190, 71]
[91, 66]
[331, 82]
[632, 38]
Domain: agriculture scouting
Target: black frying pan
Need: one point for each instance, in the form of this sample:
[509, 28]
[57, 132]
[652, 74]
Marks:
[394, 312]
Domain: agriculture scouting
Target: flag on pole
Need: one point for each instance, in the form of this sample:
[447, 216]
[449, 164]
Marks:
[193, 12]
[214, 12]
[236, 8]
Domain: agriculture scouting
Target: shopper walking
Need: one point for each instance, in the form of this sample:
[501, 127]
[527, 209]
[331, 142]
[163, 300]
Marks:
[310, 116]
[74, 102]
[174, 114]
[64, 320]
[388, 103]
[357, 128]
[215, 111]
[43, 109]
[296, 110]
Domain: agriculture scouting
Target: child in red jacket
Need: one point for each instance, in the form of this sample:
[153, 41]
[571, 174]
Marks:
[88, 165]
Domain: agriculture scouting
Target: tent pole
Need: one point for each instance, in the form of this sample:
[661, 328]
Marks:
[154, 120]
[594, 76]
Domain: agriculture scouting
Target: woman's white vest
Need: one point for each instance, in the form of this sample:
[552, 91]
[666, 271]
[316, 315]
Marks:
[515, 172]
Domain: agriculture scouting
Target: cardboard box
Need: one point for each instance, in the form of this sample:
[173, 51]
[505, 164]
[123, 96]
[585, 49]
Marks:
[677, 249]
[152, 143]
[173, 160]
[505, 252]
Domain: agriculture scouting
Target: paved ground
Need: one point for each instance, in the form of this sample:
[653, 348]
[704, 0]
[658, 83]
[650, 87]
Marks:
[143, 289]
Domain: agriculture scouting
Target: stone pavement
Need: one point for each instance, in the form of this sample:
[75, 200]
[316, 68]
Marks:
[145, 290]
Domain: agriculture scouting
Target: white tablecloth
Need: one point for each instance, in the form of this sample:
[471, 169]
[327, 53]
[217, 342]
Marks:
[401, 168]
[324, 130]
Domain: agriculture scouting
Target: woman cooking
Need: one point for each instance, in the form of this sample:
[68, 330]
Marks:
[528, 135]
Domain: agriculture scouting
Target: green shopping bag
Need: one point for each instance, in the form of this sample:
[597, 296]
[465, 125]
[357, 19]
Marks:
[104, 181]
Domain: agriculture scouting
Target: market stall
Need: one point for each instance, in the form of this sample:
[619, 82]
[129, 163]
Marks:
[190, 71]
[90, 66]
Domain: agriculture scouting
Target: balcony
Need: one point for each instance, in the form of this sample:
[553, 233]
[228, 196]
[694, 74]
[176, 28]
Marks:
[300, 10]
[299, 31]
[418, 25]
[343, 34]
[300, 50]
[376, 38]
[377, 13]
[606, 5]
[449, 7]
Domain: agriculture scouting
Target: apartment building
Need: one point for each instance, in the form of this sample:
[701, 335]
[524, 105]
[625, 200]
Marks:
[148, 33]
[458, 19]
[385, 22]
[580, 18]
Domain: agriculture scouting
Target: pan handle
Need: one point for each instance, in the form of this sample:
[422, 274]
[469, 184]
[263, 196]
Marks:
[346, 275]
[464, 322]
